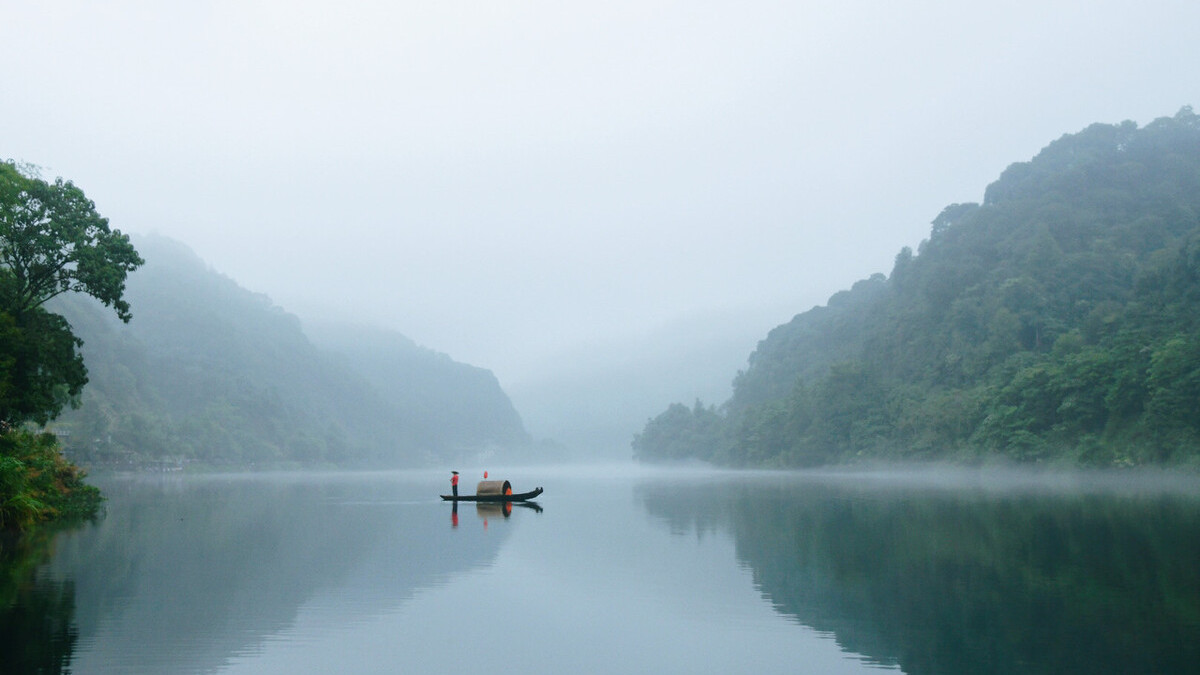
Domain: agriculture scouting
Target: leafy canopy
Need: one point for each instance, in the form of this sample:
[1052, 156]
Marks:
[52, 241]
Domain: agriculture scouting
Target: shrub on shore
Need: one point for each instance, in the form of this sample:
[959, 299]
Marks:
[37, 484]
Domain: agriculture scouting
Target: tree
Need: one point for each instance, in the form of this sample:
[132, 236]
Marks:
[52, 241]
[40, 367]
[680, 433]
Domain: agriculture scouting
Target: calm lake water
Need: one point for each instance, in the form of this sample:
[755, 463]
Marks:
[619, 570]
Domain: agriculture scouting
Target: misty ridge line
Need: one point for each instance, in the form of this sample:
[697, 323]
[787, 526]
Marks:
[394, 413]
[211, 373]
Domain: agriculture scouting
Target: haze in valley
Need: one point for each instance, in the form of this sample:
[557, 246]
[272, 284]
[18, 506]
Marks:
[606, 205]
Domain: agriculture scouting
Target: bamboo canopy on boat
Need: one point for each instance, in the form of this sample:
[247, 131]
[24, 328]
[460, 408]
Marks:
[493, 487]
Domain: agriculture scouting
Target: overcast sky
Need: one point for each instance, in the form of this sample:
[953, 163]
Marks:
[510, 181]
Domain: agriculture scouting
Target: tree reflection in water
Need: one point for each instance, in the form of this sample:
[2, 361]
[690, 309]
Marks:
[953, 580]
[37, 614]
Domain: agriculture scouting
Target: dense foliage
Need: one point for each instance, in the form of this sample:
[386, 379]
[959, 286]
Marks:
[216, 374]
[52, 242]
[1056, 321]
[37, 484]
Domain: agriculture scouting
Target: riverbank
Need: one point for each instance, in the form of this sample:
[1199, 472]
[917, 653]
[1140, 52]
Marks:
[38, 485]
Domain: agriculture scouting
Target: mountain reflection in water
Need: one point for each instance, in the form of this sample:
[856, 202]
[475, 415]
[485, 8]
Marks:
[635, 570]
[184, 572]
[944, 577]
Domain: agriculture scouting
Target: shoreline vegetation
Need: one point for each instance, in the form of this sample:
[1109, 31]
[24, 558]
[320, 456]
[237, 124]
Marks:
[38, 485]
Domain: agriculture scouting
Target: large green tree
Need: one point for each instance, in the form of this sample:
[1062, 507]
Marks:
[52, 241]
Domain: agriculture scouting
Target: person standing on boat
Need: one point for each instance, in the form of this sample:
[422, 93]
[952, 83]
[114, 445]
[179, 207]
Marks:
[454, 483]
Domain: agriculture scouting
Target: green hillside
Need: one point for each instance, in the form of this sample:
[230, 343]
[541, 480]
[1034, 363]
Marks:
[1056, 321]
[211, 372]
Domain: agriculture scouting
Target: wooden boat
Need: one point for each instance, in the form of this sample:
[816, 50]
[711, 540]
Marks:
[510, 497]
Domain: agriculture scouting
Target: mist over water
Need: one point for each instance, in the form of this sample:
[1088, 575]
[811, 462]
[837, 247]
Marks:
[625, 568]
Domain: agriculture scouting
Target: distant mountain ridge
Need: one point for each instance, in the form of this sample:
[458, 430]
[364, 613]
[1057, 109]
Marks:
[1059, 320]
[212, 372]
[441, 400]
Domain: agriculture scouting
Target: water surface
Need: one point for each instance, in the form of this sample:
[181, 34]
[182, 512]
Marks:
[628, 570]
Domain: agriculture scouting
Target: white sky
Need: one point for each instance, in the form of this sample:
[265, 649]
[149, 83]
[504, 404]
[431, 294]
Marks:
[509, 181]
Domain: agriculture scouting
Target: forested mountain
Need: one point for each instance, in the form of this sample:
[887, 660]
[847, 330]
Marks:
[210, 371]
[441, 401]
[1058, 320]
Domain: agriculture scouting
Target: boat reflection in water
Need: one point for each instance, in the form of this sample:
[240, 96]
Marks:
[486, 510]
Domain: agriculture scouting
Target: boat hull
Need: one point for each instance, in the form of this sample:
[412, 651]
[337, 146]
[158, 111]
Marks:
[522, 497]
